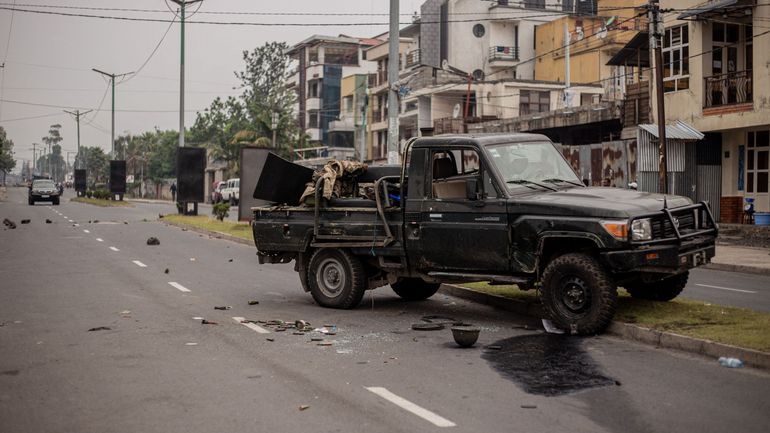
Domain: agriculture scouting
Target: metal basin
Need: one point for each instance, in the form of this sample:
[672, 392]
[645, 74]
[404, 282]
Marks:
[465, 335]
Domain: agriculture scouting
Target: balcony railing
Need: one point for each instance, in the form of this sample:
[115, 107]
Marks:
[727, 89]
[503, 53]
[412, 58]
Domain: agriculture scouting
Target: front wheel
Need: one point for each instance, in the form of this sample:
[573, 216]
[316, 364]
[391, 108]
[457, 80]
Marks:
[578, 294]
[414, 289]
[661, 291]
[336, 278]
[31, 201]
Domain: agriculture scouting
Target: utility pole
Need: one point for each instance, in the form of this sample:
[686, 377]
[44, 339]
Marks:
[182, 4]
[112, 81]
[656, 36]
[77, 115]
[393, 57]
[567, 91]
[34, 156]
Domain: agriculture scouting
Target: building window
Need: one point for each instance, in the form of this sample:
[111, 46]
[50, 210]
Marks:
[312, 121]
[313, 89]
[758, 162]
[532, 101]
[478, 30]
[676, 62]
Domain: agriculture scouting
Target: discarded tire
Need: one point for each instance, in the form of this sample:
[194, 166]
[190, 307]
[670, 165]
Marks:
[578, 294]
[414, 289]
[336, 278]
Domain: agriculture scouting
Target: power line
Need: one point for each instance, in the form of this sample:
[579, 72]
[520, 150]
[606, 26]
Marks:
[71, 107]
[5, 57]
[152, 53]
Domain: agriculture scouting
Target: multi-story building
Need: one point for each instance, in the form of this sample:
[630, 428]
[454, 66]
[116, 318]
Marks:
[347, 134]
[715, 77]
[322, 61]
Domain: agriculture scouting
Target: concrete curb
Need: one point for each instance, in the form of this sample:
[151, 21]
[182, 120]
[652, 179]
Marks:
[712, 349]
[737, 268]
[217, 235]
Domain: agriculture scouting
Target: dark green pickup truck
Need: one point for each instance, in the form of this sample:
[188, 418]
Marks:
[504, 208]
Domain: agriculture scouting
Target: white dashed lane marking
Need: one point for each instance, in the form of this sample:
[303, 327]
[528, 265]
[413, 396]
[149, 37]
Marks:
[252, 326]
[178, 286]
[114, 249]
[408, 406]
[726, 288]
[138, 263]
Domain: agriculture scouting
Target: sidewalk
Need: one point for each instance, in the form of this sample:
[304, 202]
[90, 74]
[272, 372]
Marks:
[741, 259]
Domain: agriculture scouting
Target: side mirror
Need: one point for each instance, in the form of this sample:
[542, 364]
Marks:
[471, 188]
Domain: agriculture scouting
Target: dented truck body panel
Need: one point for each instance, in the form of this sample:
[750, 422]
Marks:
[503, 233]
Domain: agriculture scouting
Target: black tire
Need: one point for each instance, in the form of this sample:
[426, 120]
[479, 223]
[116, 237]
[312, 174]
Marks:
[414, 289]
[232, 201]
[336, 278]
[578, 294]
[31, 201]
[661, 291]
[56, 202]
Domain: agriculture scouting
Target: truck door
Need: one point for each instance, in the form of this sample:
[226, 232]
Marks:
[448, 231]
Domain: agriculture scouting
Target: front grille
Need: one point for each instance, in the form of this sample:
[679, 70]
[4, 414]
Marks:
[662, 227]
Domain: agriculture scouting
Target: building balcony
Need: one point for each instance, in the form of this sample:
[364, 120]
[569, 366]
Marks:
[732, 88]
[344, 124]
[313, 104]
[502, 54]
[413, 58]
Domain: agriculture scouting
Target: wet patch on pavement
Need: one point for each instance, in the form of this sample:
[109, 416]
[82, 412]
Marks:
[546, 364]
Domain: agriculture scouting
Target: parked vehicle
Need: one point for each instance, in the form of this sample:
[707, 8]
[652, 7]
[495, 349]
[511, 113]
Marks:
[216, 193]
[43, 190]
[231, 192]
[504, 208]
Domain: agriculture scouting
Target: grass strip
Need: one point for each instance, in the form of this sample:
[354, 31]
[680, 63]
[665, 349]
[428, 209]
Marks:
[237, 229]
[101, 202]
[698, 319]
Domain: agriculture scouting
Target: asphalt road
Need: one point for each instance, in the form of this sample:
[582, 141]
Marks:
[158, 369]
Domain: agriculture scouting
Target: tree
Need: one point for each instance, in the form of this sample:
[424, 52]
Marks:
[7, 162]
[96, 163]
[51, 162]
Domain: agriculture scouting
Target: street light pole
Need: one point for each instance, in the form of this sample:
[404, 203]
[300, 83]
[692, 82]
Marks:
[393, 61]
[112, 81]
[182, 4]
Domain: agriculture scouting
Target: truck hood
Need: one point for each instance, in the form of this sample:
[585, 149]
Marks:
[598, 202]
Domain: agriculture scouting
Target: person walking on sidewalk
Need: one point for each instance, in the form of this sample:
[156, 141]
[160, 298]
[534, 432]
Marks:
[173, 191]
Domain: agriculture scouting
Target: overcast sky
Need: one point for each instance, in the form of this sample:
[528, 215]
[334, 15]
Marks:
[48, 60]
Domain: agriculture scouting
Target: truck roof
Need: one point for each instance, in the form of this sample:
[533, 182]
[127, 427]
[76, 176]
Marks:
[480, 139]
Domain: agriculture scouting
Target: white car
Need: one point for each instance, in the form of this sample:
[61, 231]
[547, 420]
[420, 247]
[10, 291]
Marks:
[231, 192]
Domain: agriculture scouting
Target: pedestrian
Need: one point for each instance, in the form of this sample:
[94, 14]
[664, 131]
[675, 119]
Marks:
[173, 191]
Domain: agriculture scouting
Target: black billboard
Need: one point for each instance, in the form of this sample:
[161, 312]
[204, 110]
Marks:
[190, 174]
[80, 180]
[118, 177]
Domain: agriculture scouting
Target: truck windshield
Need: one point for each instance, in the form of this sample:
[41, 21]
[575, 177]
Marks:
[531, 163]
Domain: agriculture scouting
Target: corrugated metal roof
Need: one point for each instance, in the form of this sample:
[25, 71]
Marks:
[677, 131]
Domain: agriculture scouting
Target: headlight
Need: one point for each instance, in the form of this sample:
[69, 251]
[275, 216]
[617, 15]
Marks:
[641, 230]
[618, 229]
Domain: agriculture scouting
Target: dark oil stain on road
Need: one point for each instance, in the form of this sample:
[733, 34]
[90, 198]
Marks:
[546, 364]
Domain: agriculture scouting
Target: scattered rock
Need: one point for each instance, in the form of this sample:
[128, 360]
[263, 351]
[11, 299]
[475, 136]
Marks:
[153, 241]
[125, 222]
[25, 221]
[253, 302]
[325, 343]
[191, 344]
[100, 328]
[229, 260]
[166, 271]
[427, 326]
[270, 339]
[160, 216]
[47, 221]
[208, 322]
[223, 307]
[529, 406]
[316, 339]
[304, 407]
[10, 224]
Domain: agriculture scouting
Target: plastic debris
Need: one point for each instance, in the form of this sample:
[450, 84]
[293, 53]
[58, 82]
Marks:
[224, 307]
[208, 322]
[730, 362]
[551, 328]
[100, 328]
[25, 221]
[153, 241]
[252, 302]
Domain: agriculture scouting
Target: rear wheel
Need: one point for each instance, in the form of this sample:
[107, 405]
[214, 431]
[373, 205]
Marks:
[414, 289]
[31, 201]
[232, 201]
[661, 291]
[336, 278]
[56, 202]
[578, 294]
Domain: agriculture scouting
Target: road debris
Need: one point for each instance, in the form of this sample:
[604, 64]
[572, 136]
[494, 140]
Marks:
[730, 362]
[316, 339]
[223, 307]
[208, 322]
[270, 339]
[304, 407]
[125, 222]
[153, 241]
[325, 343]
[191, 344]
[47, 221]
[229, 260]
[100, 328]
[253, 302]
[551, 328]
[529, 406]
[10, 224]
[166, 271]
[25, 221]
[160, 216]
[427, 326]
